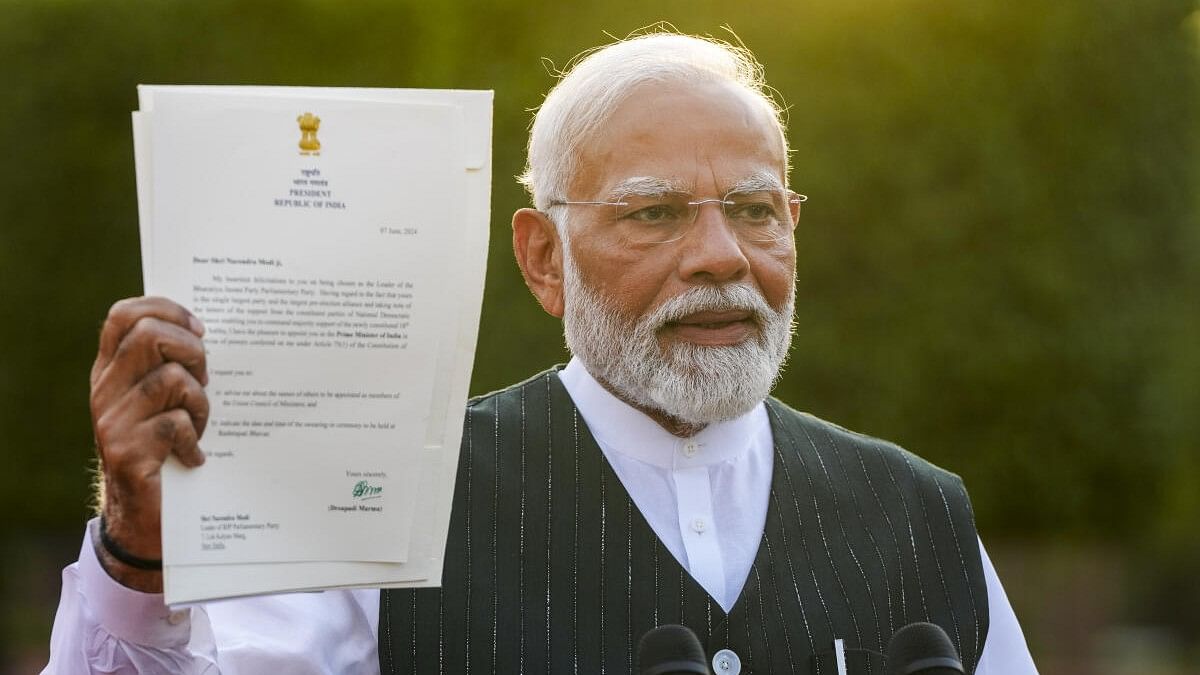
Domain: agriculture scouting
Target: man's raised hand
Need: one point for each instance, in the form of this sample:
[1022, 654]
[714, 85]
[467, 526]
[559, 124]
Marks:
[147, 402]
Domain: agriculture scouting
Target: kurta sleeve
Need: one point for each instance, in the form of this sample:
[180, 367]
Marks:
[1005, 651]
[104, 627]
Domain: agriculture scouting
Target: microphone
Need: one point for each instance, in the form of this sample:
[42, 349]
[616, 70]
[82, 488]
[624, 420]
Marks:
[922, 649]
[671, 650]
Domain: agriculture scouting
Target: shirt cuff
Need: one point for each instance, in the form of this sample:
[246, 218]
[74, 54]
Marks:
[125, 613]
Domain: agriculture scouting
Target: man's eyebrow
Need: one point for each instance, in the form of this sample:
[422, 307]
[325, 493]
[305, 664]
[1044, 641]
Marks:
[763, 180]
[653, 186]
[644, 186]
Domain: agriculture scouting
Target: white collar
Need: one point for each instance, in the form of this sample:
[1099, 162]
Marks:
[622, 428]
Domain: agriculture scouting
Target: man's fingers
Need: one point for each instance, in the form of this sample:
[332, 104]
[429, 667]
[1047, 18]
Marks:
[168, 386]
[173, 430]
[150, 343]
[126, 313]
[165, 412]
[135, 460]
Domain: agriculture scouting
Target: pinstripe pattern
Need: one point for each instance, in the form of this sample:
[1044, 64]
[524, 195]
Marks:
[907, 521]
[495, 530]
[550, 569]
[962, 493]
[629, 636]
[858, 509]
[937, 560]
[468, 532]
[412, 617]
[707, 619]
[603, 571]
[521, 633]
[575, 551]
[837, 512]
[753, 636]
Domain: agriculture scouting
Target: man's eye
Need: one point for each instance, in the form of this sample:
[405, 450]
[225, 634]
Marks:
[654, 214]
[753, 212]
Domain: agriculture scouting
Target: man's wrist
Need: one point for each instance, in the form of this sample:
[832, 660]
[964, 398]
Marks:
[146, 581]
[120, 553]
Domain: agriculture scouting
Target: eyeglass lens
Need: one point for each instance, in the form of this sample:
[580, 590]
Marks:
[759, 216]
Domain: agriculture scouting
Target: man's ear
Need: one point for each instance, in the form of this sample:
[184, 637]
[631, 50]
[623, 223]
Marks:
[540, 255]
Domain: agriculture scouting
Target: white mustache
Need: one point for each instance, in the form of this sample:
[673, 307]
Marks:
[728, 298]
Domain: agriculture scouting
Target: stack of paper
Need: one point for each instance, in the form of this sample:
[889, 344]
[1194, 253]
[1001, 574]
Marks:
[333, 242]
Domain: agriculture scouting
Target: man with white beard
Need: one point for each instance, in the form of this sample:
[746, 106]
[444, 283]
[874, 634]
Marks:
[650, 481]
[697, 385]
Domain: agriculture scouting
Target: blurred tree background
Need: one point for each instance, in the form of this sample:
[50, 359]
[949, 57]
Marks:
[998, 265]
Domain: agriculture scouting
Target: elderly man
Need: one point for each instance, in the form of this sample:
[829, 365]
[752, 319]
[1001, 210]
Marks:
[649, 481]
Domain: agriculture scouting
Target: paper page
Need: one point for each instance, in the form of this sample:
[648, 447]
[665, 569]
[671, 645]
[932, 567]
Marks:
[322, 319]
[143, 180]
[194, 582]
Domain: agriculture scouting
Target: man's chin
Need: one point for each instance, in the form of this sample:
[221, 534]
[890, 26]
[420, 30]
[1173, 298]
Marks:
[700, 413]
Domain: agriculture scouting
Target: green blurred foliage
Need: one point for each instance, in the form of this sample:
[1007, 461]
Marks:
[997, 265]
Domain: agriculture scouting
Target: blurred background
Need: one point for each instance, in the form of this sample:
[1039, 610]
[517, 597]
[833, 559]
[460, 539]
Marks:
[998, 265]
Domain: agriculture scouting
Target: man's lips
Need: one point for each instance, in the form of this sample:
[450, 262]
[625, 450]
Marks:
[713, 319]
[714, 327]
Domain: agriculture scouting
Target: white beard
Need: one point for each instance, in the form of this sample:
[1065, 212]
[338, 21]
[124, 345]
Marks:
[692, 383]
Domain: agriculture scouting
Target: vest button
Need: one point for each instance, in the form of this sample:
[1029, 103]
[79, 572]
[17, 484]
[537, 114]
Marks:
[726, 662]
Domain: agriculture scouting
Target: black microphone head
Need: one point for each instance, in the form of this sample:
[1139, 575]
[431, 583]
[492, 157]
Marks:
[922, 649]
[671, 649]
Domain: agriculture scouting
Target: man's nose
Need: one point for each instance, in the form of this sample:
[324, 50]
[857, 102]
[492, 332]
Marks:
[710, 251]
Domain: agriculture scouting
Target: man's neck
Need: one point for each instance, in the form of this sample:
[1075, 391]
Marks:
[673, 425]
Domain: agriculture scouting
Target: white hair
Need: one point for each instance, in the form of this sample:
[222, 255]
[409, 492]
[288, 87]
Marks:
[599, 81]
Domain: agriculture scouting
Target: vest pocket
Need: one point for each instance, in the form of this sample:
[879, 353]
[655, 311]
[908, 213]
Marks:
[858, 662]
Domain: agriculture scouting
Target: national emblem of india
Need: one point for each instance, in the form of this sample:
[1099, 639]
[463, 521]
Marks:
[309, 145]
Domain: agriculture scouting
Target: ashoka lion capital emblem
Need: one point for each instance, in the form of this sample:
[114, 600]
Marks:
[309, 123]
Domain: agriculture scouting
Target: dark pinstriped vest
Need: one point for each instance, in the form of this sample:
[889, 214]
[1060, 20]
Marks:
[550, 568]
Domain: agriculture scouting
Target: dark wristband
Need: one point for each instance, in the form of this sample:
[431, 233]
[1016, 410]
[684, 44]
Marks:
[114, 549]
